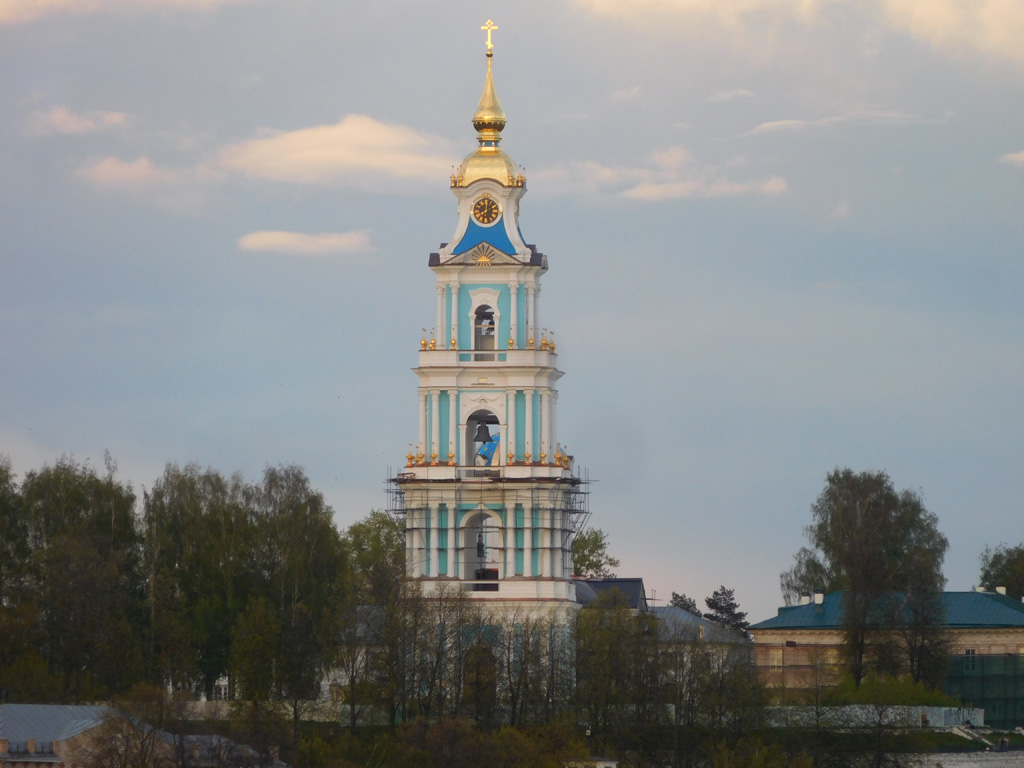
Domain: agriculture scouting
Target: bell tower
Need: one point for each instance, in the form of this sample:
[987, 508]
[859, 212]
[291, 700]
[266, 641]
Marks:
[491, 501]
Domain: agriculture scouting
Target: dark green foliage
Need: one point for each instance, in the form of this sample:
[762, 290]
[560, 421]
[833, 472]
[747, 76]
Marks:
[1004, 567]
[681, 600]
[590, 558]
[723, 609]
[884, 550]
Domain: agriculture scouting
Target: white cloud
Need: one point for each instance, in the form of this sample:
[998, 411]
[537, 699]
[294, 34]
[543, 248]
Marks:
[865, 117]
[995, 27]
[350, 151]
[728, 13]
[627, 94]
[736, 93]
[60, 119]
[113, 173]
[22, 11]
[706, 187]
[670, 174]
[177, 190]
[841, 210]
[301, 244]
[1014, 158]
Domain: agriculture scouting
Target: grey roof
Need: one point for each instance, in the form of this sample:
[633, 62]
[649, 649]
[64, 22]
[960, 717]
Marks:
[962, 609]
[678, 623]
[47, 722]
[632, 590]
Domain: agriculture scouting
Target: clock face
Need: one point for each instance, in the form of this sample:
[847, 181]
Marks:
[486, 210]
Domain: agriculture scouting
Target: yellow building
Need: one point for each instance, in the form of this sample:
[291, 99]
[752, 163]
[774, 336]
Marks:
[799, 650]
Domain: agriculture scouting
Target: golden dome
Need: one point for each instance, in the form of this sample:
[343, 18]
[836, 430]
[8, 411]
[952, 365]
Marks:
[489, 161]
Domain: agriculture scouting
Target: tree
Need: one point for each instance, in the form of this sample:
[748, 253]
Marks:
[681, 600]
[723, 609]
[1004, 567]
[590, 558]
[884, 550]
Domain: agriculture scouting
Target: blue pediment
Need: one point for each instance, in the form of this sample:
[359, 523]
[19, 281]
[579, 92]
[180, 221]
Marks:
[494, 236]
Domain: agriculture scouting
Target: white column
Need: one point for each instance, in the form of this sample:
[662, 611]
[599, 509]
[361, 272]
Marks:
[528, 445]
[553, 428]
[536, 310]
[513, 332]
[531, 314]
[439, 329]
[411, 568]
[460, 447]
[422, 445]
[453, 401]
[511, 429]
[435, 420]
[454, 286]
[545, 422]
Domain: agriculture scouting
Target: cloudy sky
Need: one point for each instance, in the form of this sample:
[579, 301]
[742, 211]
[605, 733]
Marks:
[784, 236]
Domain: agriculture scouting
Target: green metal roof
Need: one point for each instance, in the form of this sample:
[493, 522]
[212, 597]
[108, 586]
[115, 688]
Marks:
[962, 609]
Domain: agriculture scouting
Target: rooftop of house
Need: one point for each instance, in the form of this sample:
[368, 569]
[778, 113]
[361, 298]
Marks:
[632, 591]
[962, 610]
[47, 723]
[679, 624]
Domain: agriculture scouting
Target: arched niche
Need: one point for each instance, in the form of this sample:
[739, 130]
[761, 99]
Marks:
[483, 548]
[483, 439]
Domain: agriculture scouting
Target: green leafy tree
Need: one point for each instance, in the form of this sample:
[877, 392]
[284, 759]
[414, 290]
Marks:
[590, 558]
[1003, 566]
[883, 548]
[376, 551]
[200, 560]
[723, 609]
[82, 579]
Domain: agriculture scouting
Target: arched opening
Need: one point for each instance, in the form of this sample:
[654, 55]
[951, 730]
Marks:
[484, 332]
[482, 550]
[482, 439]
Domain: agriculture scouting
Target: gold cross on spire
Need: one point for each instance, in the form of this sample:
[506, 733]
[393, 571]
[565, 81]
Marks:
[490, 26]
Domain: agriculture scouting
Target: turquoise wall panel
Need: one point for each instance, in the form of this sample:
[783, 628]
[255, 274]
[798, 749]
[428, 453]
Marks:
[519, 520]
[442, 540]
[520, 424]
[446, 440]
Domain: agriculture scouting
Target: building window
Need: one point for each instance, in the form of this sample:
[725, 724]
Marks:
[970, 659]
[775, 658]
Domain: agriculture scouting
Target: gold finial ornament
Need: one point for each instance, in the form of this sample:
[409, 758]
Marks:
[433, 459]
[489, 161]
[511, 458]
[423, 342]
[451, 456]
[489, 27]
[543, 457]
[511, 343]
[433, 344]
[408, 459]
